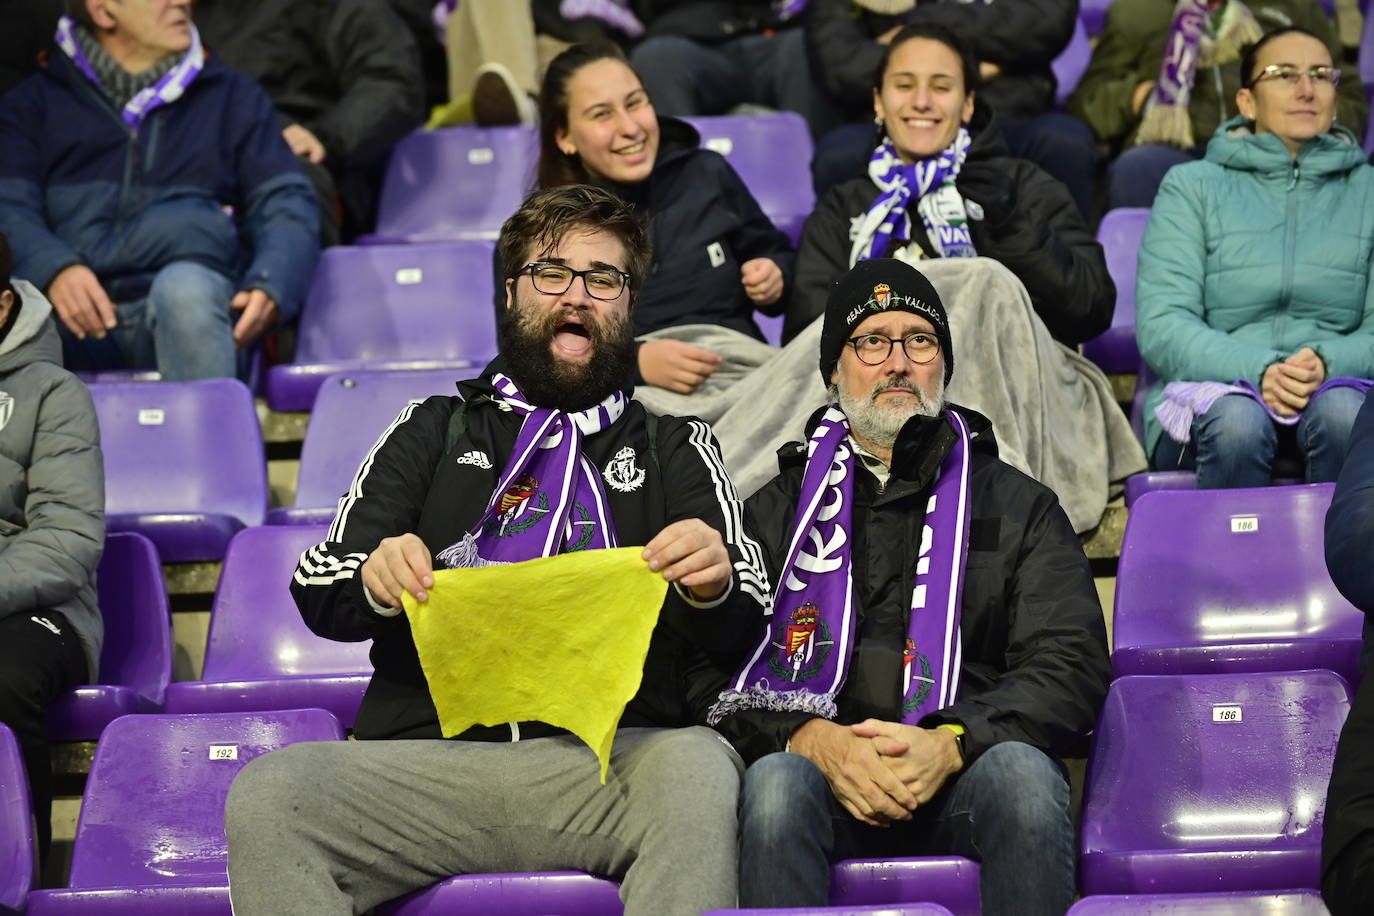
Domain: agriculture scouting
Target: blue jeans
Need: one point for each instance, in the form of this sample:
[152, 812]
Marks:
[1009, 811]
[686, 78]
[1235, 442]
[1059, 143]
[183, 328]
[1133, 177]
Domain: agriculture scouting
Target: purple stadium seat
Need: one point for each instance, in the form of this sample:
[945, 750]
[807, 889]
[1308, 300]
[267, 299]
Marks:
[1210, 782]
[771, 326]
[151, 835]
[568, 893]
[1231, 580]
[184, 463]
[136, 654]
[455, 183]
[772, 154]
[891, 909]
[950, 881]
[1287, 903]
[1119, 234]
[390, 307]
[120, 375]
[351, 411]
[17, 858]
[1093, 14]
[1071, 63]
[259, 654]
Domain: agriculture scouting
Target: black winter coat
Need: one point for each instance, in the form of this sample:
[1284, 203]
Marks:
[1035, 664]
[704, 224]
[1029, 223]
[707, 21]
[1020, 36]
[346, 70]
[1348, 832]
[413, 483]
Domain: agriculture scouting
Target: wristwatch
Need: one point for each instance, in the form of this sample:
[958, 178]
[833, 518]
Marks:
[958, 731]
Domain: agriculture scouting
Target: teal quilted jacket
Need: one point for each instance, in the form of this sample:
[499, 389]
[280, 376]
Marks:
[1252, 254]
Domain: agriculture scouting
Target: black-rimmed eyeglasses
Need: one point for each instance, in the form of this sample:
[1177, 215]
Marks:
[874, 349]
[555, 279]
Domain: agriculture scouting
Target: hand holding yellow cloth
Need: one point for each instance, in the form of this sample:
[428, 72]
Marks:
[560, 640]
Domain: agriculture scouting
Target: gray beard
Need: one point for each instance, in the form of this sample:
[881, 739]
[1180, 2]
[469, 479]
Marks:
[880, 425]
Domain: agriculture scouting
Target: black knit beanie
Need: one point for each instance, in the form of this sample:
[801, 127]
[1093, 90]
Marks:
[880, 285]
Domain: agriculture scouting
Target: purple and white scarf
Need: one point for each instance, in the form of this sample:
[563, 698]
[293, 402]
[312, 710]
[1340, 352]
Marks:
[614, 13]
[931, 183]
[1182, 402]
[1166, 118]
[549, 498]
[802, 662]
[165, 91]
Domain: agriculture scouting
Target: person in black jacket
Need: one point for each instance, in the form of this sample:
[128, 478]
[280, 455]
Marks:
[344, 76]
[716, 257]
[1015, 44]
[29, 27]
[925, 95]
[1350, 524]
[391, 816]
[935, 638]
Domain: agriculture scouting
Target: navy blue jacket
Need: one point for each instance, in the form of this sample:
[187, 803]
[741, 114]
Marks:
[1350, 520]
[207, 178]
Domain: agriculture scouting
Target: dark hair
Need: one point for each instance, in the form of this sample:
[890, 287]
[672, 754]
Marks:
[968, 61]
[548, 215]
[1251, 52]
[77, 10]
[555, 166]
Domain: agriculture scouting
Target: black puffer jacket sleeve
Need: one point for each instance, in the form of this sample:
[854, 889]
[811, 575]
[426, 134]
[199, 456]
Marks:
[381, 93]
[822, 257]
[1033, 227]
[1350, 520]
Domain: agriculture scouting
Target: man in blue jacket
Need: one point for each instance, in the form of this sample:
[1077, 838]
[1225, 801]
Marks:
[147, 189]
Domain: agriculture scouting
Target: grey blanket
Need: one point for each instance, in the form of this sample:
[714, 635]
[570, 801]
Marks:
[1052, 410]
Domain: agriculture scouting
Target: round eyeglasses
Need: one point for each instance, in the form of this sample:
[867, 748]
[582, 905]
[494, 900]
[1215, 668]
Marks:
[1289, 76]
[874, 349]
[554, 279]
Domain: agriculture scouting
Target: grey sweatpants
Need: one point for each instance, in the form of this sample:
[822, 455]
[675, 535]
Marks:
[339, 827]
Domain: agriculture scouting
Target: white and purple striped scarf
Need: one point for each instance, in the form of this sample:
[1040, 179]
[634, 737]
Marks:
[1166, 118]
[1182, 402]
[549, 498]
[163, 92]
[930, 183]
[802, 661]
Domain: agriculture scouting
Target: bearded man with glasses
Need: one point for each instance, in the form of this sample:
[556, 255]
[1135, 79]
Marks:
[935, 640]
[339, 827]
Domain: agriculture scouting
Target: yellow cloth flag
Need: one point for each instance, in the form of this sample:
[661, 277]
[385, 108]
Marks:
[560, 640]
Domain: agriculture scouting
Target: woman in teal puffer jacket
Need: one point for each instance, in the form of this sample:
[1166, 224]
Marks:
[1254, 277]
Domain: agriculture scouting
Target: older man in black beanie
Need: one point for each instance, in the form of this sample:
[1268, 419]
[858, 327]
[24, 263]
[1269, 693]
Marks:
[936, 640]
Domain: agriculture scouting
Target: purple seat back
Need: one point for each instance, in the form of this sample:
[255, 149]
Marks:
[137, 647]
[153, 810]
[772, 154]
[1093, 14]
[351, 413]
[1289, 903]
[17, 860]
[1119, 235]
[1071, 63]
[567, 893]
[1212, 782]
[455, 183]
[886, 909]
[255, 629]
[179, 448]
[400, 302]
[1231, 580]
[950, 881]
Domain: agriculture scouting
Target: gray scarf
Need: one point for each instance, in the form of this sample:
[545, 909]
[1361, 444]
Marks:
[119, 84]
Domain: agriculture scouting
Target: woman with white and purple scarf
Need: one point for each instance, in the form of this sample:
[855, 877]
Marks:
[1253, 304]
[942, 184]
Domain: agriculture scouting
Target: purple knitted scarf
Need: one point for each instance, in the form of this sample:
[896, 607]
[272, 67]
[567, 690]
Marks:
[1184, 401]
[549, 498]
[802, 661]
